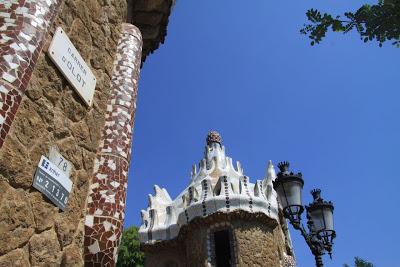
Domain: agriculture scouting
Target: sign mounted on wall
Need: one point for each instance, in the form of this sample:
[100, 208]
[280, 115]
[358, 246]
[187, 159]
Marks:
[52, 182]
[64, 165]
[68, 60]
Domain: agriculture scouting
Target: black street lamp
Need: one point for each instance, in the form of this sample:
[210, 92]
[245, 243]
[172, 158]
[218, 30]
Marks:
[320, 236]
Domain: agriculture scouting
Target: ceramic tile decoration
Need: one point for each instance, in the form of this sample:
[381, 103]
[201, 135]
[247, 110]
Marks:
[107, 193]
[289, 261]
[217, 192]
[24, 25]
[217, 186]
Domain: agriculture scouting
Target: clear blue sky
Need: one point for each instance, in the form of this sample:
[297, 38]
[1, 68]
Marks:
[243, 69]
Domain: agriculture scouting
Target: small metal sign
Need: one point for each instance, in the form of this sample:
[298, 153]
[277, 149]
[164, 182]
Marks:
[52, 182]
[64, 165]
[72, 66]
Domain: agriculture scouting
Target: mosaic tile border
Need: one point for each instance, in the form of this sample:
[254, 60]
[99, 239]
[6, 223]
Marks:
[24, 25]
[289, 261]
[107, 194]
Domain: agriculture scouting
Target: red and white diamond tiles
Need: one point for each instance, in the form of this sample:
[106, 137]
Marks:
[106, 201]
[24, 25]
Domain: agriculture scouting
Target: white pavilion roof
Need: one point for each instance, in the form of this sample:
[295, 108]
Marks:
[217, 186]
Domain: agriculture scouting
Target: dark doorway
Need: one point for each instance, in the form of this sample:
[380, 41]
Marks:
[222, 248]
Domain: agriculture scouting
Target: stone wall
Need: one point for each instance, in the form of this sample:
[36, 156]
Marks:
[151, 17]
[256, 241]
[171, 255]
[33, 231]
[195, 244]
[256, 244]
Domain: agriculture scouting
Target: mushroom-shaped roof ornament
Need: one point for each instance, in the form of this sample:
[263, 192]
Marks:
[213, 137]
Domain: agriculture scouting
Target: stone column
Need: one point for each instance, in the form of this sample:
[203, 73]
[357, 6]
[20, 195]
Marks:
[24, 25]
[107, 194]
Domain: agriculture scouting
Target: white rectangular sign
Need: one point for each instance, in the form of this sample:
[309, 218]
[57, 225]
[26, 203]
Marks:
[73, 67]
[64, 165]
[52, 182]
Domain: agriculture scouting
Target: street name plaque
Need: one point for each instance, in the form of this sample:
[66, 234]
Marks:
[68, 60]
[52, 182]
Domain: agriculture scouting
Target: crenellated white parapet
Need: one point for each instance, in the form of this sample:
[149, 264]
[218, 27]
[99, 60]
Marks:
[216, 186]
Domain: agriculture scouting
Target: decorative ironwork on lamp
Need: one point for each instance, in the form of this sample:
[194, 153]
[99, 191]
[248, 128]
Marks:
[289, 186]
[321, 233]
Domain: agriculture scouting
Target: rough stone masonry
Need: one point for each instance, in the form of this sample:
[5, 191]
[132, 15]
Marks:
[40, 109]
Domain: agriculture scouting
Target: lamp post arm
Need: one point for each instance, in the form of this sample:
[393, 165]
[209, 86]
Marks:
[314, 244]
[307, 237]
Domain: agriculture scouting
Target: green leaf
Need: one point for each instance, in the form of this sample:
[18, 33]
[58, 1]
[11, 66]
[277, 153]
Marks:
[129, 253]
[379, 22]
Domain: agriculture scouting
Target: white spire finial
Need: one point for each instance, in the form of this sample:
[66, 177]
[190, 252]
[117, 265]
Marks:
[271, 175]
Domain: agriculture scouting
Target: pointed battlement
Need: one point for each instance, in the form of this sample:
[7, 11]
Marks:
[215, 186]
[220, 205]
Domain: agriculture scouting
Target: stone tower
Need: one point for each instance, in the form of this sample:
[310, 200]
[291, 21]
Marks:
[219, 219]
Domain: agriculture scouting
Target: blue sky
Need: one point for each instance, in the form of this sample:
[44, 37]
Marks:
[243, 69]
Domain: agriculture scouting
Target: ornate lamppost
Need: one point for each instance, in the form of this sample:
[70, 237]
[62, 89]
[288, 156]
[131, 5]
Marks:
[320, 236]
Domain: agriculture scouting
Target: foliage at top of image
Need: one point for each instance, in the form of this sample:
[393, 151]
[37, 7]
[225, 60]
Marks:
[358, 262]
[380, 22]
[129, 254]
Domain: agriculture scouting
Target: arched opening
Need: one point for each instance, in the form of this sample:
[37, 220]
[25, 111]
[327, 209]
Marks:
[222, 248]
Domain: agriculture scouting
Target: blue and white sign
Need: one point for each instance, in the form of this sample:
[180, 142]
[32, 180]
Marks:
[52, 182]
